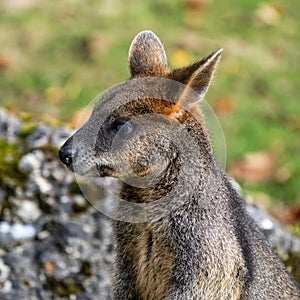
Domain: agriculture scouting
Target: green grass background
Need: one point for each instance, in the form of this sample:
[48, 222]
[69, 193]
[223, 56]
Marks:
[56, 56]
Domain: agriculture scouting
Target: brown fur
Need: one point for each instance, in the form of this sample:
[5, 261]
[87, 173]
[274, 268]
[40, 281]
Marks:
[153, 261]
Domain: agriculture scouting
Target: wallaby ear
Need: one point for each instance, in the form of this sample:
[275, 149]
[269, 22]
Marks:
[147, 56]
[197, 76]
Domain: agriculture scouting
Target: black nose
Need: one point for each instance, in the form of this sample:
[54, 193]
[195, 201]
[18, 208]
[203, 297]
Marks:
[66, 155]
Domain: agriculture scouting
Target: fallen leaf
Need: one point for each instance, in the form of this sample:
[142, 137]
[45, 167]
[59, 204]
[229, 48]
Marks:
[287, 214]
[267, 14]
[254, 167]
[17, 5]
[199, 5]
[224, 106]
[180, 57]
[6, 63]
[49, 267]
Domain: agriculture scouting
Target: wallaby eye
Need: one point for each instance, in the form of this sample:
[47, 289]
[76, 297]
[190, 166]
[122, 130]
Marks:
[121, 123]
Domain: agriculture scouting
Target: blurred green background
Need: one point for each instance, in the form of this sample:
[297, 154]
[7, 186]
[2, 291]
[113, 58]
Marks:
[56, 56]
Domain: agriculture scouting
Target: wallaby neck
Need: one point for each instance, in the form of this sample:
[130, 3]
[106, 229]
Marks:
[186, 177]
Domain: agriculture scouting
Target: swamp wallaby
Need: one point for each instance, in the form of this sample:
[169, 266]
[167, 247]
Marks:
[190, 236]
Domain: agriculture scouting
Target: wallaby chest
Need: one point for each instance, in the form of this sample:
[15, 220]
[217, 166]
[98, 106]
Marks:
[152, 257]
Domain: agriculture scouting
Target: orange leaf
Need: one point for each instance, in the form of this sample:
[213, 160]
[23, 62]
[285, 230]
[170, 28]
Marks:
[224, 106]
[5, 63]
[199, 5]
[49, 267]
[180, 57]
[287, 214]
[254, 167]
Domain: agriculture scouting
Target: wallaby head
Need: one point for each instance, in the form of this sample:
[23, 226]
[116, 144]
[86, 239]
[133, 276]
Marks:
[143, 127]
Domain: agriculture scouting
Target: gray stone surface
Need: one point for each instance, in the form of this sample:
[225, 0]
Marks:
[10, 127]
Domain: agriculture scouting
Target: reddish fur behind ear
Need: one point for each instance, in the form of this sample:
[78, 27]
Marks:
[168, 111]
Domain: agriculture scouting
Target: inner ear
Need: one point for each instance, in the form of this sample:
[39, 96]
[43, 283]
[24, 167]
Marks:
[147, 56]
[196, 77]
